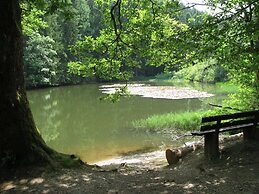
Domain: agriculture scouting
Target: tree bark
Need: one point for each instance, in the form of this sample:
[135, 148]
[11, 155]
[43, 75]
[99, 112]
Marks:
[20, 142]
[257, 81]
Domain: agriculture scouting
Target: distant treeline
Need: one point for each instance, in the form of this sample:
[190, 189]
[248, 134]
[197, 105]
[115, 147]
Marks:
[48, 38]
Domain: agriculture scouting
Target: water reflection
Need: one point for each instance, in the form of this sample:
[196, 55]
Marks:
[74, 120]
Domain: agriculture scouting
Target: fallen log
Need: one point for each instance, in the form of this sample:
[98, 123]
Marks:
[173, 156]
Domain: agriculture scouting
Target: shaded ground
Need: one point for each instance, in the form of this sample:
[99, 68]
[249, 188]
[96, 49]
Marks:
[236, 172]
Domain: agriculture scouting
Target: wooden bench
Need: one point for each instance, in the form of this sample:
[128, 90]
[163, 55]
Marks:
[213, 125]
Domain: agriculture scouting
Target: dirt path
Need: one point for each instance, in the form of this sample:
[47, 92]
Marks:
[236, 172]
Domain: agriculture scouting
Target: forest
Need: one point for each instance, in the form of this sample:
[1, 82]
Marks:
[67, 41]
[62, 59]
[93, 43]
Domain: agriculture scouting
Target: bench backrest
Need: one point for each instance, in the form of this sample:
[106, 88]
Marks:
[245, 119]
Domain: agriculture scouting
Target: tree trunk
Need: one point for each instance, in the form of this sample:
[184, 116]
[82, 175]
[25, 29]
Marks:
[257, 82]
[20, 142]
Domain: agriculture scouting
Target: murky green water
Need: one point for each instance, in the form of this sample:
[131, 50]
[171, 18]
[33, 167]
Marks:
[73, 120]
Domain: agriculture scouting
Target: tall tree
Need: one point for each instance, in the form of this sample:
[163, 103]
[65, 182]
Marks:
[20, 141]
[40, 61]
[231, 36]
[65, 32]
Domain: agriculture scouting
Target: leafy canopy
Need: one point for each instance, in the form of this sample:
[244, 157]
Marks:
[135, 34]
[231, 36]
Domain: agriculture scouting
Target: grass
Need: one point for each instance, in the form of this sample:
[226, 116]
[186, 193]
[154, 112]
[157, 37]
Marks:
[186, 121]
[175, 123]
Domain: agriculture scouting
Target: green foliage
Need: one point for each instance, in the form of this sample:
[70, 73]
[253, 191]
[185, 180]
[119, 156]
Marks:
[40, 60]
[95, 18]
[66, 31]
[32, 20]
[40, 57]
[231, 37]
[177, 123]
[119, 39]
[40, 20]
[190, 16]
[82, 15]
[245, 99]
[226, 88]
[172, 121]
[163, 76]
[144, 39]
[209, 71]
[116, 96]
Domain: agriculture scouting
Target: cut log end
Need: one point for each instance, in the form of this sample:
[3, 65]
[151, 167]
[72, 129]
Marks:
[175, 155]
[171, 156]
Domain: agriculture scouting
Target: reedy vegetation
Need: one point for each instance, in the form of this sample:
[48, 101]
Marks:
[171, 122]
[183, 122]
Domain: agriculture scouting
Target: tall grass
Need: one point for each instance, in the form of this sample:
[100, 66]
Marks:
[186, 121]
[174, 122]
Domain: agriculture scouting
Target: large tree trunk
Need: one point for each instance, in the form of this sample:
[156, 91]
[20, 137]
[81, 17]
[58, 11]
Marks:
[20, 142]
[257, 88]
[257, 78]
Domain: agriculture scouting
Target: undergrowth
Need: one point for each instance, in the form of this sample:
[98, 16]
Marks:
[174, 122]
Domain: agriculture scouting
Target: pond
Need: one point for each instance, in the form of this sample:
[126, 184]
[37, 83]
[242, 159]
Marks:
[73, 120]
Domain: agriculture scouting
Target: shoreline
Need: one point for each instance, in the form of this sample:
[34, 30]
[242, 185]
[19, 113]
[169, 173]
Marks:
[157, 158]
[237, 171]
[143, 160]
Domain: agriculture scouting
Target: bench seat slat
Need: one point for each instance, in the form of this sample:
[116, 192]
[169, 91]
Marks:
[230, 116]
[213, 125]
[224, 129]
[227, 124]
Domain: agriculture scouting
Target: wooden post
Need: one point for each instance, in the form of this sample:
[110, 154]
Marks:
[252, 133]
[248, 134]
[255, 129]
[211, 146]
[211, 143]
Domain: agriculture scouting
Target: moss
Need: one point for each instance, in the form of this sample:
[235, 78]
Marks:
[18, 96]
[67, 161]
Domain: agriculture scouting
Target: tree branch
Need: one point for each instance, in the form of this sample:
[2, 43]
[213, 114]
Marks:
[117, 27]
